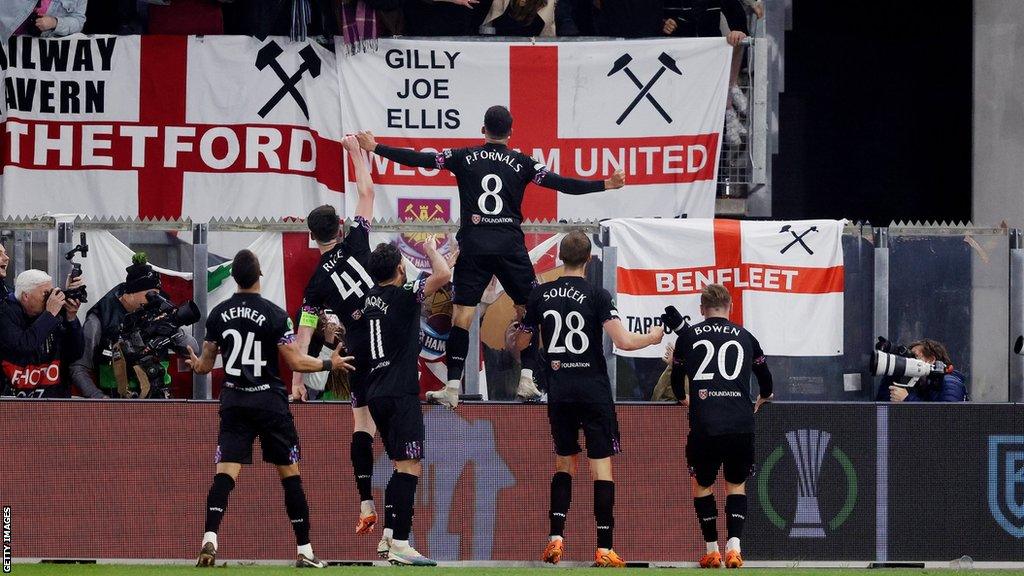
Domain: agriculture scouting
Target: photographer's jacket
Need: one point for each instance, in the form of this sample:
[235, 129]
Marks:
[36, 350]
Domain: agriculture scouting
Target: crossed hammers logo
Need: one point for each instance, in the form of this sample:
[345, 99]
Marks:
[797, 239]
[622, 64]
[268, 55]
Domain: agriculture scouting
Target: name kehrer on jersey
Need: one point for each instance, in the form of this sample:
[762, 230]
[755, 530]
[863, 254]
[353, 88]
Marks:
[243, 312]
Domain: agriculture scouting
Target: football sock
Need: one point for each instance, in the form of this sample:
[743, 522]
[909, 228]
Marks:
[405, 502]
[604, 505]
[217, 502]
[362, 463]
[707, 516]
[735, 515]
[457, 348]
[297, 507]
[306, 550]
[561, 497]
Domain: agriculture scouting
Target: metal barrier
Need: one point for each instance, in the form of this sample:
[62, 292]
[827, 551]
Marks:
[962, 285]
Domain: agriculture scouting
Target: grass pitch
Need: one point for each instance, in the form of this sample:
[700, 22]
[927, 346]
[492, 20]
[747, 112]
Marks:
[151, 570]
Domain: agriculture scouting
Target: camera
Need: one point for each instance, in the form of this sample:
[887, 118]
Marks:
[146, 338]
[76, 270]
[897, 361]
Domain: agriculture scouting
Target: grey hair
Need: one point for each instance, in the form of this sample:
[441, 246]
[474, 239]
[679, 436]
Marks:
[28, 280]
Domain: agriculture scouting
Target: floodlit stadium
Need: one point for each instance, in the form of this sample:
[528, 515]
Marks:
[497, 286]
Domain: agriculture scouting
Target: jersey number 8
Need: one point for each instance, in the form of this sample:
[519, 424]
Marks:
[492, 186]
[576, 340]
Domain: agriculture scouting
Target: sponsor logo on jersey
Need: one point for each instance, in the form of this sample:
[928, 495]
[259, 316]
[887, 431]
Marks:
[704, 394]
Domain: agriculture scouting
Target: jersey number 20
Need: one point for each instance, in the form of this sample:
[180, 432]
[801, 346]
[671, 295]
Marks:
[709, 354]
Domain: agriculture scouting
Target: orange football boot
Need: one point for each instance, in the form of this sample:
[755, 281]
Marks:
[608, 560]
[553, 551]
[733, 559]
[711, 560]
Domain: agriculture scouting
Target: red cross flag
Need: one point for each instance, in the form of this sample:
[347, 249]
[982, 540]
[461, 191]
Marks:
[169, 126]
[652, 108]
[785, 278]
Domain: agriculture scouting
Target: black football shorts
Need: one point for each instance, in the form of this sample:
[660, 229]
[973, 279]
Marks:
[599, 424]
[400, 422]
[734, 453]
[473, 273]
[240, 426]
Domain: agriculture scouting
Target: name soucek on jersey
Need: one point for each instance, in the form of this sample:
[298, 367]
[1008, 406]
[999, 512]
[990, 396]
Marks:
[248, 329]
[718, 357]
[341, 282]
[570, 314]
[492, 180]
[392, 316]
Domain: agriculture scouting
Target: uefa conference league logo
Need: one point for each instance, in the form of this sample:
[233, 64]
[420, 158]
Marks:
[1006, 482]
[809, 449]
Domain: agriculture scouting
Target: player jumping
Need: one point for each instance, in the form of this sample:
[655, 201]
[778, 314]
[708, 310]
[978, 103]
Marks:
[340, 283]
[492, 180]
[392, 314]
[250, 331]
[567, 315]
[718, 356]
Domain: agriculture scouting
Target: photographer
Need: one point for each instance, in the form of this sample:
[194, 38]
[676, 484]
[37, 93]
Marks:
[948, 386]
[39, 331]
[95, 372]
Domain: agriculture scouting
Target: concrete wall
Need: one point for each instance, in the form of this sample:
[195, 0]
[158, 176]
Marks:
[998, 193]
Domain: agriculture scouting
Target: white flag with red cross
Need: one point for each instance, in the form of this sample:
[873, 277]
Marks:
[785, 278]
[164, 126]
[652, 108]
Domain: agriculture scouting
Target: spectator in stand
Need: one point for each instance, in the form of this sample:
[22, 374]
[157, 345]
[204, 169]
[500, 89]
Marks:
[575, 18]
[4, 261]
[52, 18]
[298, 19]
[443, 17]
[113, 17]
[630, 18]
[702, 18]
[39, 336]
[520, 18]
[185, 17]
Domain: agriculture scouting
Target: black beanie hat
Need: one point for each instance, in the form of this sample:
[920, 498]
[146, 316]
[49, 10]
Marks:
[141, 275]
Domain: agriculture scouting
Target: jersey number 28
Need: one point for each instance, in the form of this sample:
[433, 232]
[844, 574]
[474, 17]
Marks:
[576, 340]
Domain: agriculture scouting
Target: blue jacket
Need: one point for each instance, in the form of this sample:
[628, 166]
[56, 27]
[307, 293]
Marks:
[952, 389]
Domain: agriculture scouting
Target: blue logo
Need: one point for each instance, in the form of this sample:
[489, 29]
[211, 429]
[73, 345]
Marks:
[1006, 482]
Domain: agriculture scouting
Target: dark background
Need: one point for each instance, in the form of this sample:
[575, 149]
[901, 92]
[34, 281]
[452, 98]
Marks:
[875, 119]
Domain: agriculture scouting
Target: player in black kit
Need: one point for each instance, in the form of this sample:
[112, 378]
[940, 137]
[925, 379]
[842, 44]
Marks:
[567, 315]
[492, 180]
[392, 314]
[717, 357]
[249, 331]
[340, 284]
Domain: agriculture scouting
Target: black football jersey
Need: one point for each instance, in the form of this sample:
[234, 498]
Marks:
[492, 180]
[341, 282]
[717, 355]
[392, 315]
[570, 314]
[248, 329]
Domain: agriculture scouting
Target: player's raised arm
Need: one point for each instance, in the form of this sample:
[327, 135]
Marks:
[626, 340]
[575, 186]
[203, 364]
[440, 272]
[401, 155]
[364, 183]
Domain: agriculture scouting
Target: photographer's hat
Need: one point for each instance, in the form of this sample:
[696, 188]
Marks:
[141, 275]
